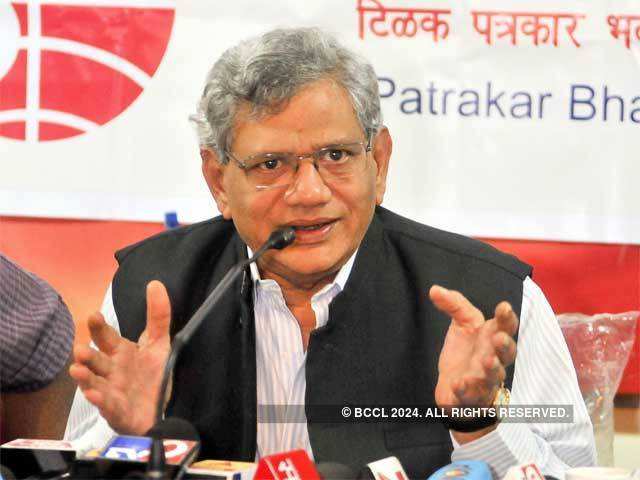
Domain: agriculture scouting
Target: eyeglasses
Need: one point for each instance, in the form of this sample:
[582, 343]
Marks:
[334, 163]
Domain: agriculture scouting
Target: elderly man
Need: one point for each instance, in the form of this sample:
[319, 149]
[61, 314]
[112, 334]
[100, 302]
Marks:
[291, 134]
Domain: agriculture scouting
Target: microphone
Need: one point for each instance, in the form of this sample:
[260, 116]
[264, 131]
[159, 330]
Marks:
[175, 428]
[36, 458]
[388, 468]
[278, 239]
[464, 469]
[128, 456]
[293, 465]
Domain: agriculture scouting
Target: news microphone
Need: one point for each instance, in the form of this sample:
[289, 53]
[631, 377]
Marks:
[293, 465]
[128, 457]
[37, 458]
[278, 240]
[388, 468]
[464, 469]
[174, 428]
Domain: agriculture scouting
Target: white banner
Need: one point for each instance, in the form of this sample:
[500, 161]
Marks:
[509, 119]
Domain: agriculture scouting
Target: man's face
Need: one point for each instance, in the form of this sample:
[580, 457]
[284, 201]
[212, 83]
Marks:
[319, 115]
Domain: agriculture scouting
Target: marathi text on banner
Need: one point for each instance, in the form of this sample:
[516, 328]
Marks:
[540, 27]
[401, 22]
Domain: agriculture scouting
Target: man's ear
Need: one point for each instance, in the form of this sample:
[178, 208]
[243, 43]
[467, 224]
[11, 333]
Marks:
[213, 171]
[382, 147]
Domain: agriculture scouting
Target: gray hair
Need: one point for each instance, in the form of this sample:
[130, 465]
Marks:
[268, 70]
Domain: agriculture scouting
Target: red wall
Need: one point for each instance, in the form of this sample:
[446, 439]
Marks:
[76, 257]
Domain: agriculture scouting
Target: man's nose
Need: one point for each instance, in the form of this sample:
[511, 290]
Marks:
[308, 187]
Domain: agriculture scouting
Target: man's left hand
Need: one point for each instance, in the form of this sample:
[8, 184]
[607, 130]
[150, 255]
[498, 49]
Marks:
[476, 351]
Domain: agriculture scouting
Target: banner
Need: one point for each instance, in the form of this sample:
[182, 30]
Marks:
[509, 119]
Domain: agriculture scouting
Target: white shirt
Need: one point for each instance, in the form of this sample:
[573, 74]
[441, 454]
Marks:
[280, 360]
[543, 370]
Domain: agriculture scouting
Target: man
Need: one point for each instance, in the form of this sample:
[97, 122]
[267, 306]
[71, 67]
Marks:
[351, 313]
[35, 350]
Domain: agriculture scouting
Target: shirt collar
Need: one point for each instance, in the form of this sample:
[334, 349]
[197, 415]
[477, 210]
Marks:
[340, 280]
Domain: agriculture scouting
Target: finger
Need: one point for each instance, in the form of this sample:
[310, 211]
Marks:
[99, 393]
[86, 379]
[104, 402]
[459, 387]
[506, 318]
[104, 336]
[455, 305]
[95, 397]
[96, 390]
[76, 371]
[158, 310]
[494, 371]
[96, 361]
[479, 389]
[505, 347]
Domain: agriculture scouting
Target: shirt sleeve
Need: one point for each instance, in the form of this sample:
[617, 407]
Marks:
[86, 428]
[543, 375]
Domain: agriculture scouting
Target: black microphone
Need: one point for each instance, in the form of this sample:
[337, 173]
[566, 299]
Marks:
[278, 239]
[36, 458]
[128, 457]
[174, 428]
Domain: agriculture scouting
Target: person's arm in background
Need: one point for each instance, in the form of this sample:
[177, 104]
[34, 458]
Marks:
[35, 347]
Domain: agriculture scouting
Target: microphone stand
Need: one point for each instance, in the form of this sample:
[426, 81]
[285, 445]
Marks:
[278, 240]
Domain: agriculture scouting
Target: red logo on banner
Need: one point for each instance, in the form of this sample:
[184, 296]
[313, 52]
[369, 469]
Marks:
[68, 66]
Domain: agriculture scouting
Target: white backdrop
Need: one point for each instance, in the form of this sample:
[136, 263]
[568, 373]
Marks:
[568, 171]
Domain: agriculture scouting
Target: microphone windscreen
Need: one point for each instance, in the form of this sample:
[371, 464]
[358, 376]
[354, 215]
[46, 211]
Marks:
[174, 428]
[336, 471]
[282, 238]
[463, 469]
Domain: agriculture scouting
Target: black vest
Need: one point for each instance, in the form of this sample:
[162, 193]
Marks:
[380, 346]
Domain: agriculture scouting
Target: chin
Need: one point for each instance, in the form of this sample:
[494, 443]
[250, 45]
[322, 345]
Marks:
[305, 261]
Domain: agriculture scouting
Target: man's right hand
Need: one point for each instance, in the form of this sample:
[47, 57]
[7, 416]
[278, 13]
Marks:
[123, 378]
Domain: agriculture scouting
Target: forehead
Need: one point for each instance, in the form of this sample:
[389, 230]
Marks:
[319, 113]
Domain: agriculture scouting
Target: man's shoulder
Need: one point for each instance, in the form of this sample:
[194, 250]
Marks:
[186, 260]
[213, 232]
[423, 239]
